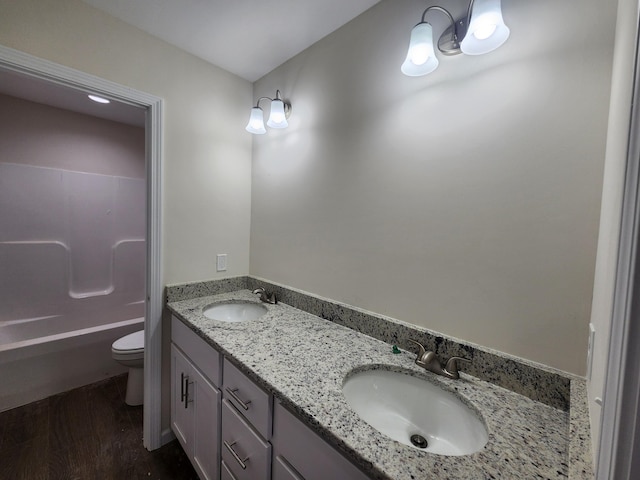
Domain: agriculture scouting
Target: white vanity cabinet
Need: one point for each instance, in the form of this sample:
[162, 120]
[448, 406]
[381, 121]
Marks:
[195, 399]
[231, 429]
[300, 454]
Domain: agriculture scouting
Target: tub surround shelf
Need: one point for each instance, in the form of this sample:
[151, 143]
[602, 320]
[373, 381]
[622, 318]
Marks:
[303, 360]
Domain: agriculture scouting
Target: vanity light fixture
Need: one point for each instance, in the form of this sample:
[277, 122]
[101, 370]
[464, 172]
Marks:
[98, 99]
[280, 111]
[482, 30]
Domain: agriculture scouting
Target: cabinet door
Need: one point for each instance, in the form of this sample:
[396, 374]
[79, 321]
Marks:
[206, 438]
[181, 415]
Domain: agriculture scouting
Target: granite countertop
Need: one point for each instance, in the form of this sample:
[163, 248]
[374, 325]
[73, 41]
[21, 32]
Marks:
[303, 360]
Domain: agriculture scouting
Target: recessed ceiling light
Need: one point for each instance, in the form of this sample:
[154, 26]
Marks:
[95, 98]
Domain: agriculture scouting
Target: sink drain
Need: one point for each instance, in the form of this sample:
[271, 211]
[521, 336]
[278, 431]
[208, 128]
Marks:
[419, 441]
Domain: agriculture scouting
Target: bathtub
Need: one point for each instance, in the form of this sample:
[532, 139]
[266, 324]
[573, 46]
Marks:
[41, 357]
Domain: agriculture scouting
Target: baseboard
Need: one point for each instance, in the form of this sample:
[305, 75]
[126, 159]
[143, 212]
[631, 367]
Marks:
[167, 436]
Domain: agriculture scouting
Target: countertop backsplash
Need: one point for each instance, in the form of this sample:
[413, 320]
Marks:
[537, 382]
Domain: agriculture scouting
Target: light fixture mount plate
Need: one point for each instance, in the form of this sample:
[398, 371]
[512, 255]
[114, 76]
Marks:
[287, 109]
[448, 44]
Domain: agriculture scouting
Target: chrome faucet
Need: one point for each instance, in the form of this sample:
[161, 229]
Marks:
[265, 297]
[429, 361]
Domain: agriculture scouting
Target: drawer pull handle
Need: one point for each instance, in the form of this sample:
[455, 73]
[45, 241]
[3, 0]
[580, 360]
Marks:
[235, 455]
[243, 404]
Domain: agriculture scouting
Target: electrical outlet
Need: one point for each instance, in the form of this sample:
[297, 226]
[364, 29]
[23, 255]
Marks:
[221, 262]
[592, 336]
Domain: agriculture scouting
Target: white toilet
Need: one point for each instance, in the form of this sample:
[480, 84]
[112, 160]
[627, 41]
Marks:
[129, 351]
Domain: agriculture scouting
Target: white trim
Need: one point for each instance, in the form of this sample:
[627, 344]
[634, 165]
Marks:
[26, 64]
[153, 325]
[167, 436]
[620, 420]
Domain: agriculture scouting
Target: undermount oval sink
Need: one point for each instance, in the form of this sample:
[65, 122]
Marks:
[415, 412]
[235, 312]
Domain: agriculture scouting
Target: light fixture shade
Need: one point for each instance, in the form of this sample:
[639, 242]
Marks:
[256, 122]
[277, 117]
[421, 57]
[98, 99]
[487, 30]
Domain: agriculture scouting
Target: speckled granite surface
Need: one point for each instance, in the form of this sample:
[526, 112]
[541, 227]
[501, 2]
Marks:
[185, 291]
[580, 453]
[535, 381]
[303, 360]
[539, 383]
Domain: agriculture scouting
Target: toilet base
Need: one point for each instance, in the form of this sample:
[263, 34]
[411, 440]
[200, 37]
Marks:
[135, 387]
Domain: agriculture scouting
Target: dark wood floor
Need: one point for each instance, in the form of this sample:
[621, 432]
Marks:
[85, 434]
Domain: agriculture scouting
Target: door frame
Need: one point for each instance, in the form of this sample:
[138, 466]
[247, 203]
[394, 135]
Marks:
[618, 452]
[26, 64]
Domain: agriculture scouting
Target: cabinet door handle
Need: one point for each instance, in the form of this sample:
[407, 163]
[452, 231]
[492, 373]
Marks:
[235, 455]
[182, 386]
[243, 404]
[187, 401]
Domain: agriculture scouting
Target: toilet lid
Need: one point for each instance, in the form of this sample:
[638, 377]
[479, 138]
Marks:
[128, 343]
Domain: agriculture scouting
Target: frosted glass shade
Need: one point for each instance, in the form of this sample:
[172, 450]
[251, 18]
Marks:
[256, 122]
[421, 57]
[277, 118]
[487, 30]
[98, 99]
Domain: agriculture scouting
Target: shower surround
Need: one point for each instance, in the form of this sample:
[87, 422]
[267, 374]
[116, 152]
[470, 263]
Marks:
[72, 276]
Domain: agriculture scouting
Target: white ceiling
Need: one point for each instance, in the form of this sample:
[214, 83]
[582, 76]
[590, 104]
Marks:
[246, 37]
[49, 93]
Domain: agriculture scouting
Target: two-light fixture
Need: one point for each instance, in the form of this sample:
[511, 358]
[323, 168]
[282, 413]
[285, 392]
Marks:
[482, 30]
[280, 111]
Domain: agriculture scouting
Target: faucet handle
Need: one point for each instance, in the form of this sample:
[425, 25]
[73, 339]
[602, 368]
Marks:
[452, 366]
[422, 352]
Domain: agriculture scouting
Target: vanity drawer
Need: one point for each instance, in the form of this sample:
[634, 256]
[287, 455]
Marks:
[225, 472]
[246, 455]
[250, 400]
[207, 358]
[283, 471]
[309, 455]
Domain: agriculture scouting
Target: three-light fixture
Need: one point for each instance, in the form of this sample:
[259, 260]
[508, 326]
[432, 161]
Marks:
[280, 111]
[482, 30]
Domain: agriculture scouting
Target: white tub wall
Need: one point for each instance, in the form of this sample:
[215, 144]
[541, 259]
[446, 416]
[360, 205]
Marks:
[46, 148]
[31, 373]
[73, 207]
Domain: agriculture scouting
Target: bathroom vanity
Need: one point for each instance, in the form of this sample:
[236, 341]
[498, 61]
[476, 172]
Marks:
[240, 434]
[262, 399]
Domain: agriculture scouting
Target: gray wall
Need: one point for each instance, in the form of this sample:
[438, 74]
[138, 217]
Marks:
[466, 201]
